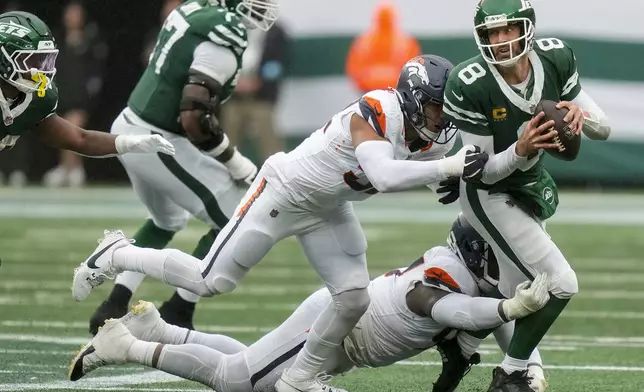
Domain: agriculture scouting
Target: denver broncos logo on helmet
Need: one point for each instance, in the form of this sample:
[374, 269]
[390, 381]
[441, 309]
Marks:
[371, 110]
[439, 278]
[419, 70]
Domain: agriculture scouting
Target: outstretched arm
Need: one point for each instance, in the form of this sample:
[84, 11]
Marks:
[57, 132]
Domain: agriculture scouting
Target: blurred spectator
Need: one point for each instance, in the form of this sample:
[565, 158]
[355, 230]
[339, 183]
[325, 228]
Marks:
[376, 57]
[251, 110]
[79, 79]
[151, 37]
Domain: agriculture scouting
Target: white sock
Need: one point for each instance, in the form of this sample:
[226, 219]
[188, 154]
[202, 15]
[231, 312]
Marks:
[131, 280]
[468, 344]
[142, 352]
[327, 333]
[171, 266]
[212, 368]
[510, 364]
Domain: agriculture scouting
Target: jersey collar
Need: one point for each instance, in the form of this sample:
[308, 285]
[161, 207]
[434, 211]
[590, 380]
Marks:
[527, 105]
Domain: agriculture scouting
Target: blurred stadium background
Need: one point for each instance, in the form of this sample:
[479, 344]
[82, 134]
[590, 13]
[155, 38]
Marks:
[595, 346]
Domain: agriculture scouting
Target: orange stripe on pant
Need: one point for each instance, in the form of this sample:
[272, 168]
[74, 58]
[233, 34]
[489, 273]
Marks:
[240, 215]
[252, 198]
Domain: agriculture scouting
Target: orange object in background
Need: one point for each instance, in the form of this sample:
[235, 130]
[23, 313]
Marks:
[376, 57]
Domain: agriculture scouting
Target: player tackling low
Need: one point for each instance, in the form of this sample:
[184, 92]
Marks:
[412, 309]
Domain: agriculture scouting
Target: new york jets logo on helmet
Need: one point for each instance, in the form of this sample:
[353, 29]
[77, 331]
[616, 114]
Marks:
[27, 52]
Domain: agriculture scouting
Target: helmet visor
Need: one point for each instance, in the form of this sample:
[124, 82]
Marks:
[41, 61]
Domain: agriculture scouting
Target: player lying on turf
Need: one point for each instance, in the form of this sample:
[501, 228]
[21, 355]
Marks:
[412, 309]
[369, 146]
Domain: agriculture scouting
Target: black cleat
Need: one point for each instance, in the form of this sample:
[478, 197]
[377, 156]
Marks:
[455, 366]
[517, 381]
[106, 310]
[177, 311]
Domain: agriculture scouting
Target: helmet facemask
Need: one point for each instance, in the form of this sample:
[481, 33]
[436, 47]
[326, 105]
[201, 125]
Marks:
[260, 14]
[419, 121]
[31, 70]
[525, 39]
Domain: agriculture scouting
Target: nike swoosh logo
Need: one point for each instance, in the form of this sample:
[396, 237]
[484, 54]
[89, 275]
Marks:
[460, 98]
[91, 263]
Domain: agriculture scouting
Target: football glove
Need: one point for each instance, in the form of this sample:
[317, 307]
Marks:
[449, 190]
[142, 144]
[475, 161]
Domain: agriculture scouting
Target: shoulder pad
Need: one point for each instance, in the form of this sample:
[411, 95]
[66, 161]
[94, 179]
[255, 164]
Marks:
[381, 109]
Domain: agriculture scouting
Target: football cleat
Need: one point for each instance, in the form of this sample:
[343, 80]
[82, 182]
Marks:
[319, 384]
[518, 381]
[455, 366]
[144, 322]
[108, 347]
[98, 266]
[538, 382]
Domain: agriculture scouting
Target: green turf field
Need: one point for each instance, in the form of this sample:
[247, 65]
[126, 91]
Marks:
[597, 344]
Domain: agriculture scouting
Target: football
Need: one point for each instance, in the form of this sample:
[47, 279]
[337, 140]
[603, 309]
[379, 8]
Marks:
[568, 142]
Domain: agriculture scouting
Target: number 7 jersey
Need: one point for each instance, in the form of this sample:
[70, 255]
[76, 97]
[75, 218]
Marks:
[156, 97]
[324, 171]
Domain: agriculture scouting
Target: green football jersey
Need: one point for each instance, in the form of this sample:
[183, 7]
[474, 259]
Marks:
[28, 111]
[479, 101]
[157, 96]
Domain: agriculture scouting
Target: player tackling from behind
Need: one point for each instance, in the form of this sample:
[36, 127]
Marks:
[308, 193]
[412, 309]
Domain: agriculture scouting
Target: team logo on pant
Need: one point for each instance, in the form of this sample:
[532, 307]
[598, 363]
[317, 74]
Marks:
[548, 195]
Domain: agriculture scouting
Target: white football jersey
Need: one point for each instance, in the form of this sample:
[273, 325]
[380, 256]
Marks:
[324, 171]
[389, 332]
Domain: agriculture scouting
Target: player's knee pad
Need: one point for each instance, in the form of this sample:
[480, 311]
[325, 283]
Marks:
[565, 285]
[353, 303]
[351, 239]
[221, 284]
[250, 247]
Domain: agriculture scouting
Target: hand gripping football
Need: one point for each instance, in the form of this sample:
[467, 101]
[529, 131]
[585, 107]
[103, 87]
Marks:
[568, 142]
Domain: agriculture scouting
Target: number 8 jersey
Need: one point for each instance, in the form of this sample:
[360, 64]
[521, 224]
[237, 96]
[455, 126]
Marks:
[323, 170]
[156, 97]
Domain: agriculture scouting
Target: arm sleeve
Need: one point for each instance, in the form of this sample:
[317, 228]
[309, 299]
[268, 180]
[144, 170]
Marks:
[500, 165]
[376, 158]
[215, 61]
[596, 125]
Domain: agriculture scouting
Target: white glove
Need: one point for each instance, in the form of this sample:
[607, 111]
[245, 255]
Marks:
[529, 297]
[241, 168]
[143, 144]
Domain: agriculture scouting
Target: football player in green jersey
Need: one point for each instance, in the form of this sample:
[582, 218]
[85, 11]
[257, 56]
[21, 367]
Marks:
[29, 96]
[492, 98]
[192, 70]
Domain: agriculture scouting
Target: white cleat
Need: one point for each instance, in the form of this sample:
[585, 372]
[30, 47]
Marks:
[319, 384]
[98, 266]
[538, 381]
[108, 347]
[144, 322]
